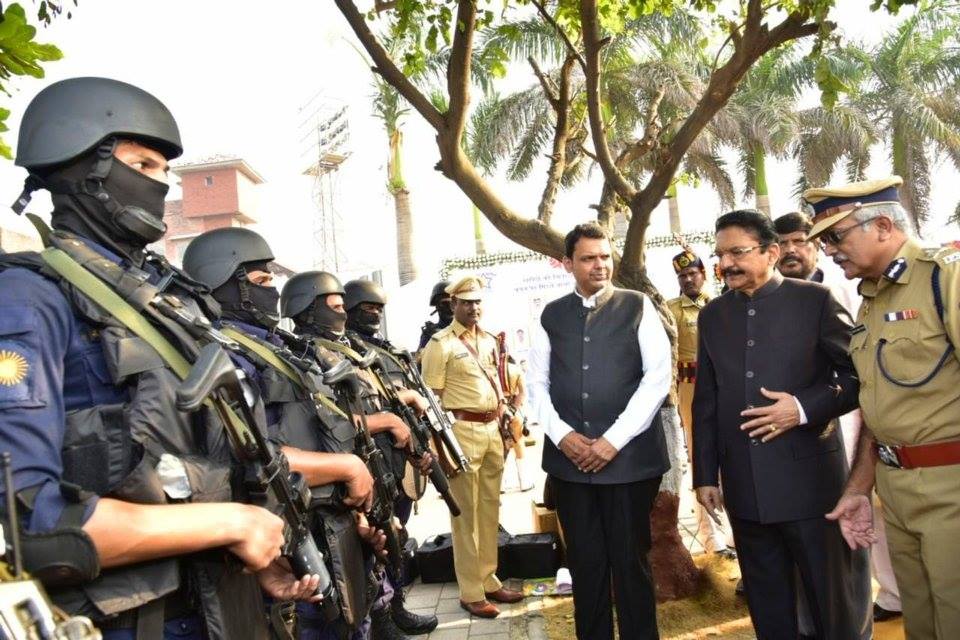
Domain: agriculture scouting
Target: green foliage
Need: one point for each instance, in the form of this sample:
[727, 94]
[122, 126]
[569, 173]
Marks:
[20, 54]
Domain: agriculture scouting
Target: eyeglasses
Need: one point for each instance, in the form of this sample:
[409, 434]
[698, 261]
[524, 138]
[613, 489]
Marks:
[737, 252]
[830, 236]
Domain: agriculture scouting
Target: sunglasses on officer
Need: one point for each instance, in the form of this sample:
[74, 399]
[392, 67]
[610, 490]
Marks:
[834, 237]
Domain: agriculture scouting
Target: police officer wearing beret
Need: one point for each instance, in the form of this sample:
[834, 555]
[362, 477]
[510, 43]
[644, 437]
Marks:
[101, 454]
[460, 365]
[904, 349]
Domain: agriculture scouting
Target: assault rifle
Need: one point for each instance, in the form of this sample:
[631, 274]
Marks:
[419, 427]
[269, 476]
[145, 309]
[343, 378]
[448, 447]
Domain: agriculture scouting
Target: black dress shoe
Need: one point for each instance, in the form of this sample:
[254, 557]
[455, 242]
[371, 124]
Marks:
[882, 615]
[411, 623]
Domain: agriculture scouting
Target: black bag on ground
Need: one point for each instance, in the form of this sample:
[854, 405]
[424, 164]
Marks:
[529, 555]
[435, 559]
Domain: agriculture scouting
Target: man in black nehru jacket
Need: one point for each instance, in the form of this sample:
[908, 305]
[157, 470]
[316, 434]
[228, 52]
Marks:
[599, 372]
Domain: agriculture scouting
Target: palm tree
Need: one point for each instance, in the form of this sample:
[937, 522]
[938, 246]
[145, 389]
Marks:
[911, 96]
[660, 57]
[764, 112]
[390, 108]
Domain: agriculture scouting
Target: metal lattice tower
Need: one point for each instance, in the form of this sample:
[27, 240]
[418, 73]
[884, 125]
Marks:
[325, 132]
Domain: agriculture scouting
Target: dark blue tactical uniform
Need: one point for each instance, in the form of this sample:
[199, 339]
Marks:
[64, 370]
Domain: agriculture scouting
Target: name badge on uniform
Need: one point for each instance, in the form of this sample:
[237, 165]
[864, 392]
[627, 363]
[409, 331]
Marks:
[906, 314]
[460, 355]
[860, 328]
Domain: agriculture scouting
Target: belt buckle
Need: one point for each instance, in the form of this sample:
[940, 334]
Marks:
[889, 456]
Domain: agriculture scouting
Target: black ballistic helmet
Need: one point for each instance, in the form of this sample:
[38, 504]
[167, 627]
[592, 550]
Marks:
[439, 291]
[214, 256]
[357, 291]
[71, 117]
[302, 289]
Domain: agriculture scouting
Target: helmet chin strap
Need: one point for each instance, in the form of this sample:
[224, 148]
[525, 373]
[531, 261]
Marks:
[262, 318]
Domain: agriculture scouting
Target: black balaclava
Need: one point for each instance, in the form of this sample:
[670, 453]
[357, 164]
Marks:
[123, 210]
[445, 312]
[320, 320]
[364, 322]
[248, 302]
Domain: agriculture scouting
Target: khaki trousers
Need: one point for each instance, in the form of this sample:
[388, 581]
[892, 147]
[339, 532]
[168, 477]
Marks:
[477, 491]
[922, 514]
[709, 534]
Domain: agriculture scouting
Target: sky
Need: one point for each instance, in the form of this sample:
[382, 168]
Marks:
[241, 79]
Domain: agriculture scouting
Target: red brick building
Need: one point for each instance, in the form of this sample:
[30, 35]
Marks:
[217, 192]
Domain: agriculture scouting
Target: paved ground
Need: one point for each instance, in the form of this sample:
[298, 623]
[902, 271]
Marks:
[522, 620]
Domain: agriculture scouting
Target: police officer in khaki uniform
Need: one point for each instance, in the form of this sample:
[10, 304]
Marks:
[904, 351]
[460, 365]
[691, 276]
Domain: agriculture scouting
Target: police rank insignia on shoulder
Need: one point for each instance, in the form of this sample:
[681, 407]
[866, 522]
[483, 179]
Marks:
[13, 368]
[906, 314]
[895, 269]
[951, 258]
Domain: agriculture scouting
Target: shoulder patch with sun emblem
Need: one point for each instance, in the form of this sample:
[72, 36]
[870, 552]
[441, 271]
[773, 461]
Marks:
[13, 368]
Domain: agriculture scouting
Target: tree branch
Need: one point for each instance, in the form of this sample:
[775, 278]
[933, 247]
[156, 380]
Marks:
[651, 133]
[458, 69]
[563, 34]
[754, 41]
[592, 46]
[385, 66]
[548, 87]
[561, 134]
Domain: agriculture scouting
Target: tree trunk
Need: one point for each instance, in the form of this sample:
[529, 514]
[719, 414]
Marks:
[760, 180]
[479, 247]
[901, 167]
[406, 267]
[674, 572]
[674, 207]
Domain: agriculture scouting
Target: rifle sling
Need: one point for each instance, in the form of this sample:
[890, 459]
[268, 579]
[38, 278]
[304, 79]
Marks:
[267, 353]
[355, 358]
[123, 312]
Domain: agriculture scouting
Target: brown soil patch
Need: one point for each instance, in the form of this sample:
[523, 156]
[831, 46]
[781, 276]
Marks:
[714, 612]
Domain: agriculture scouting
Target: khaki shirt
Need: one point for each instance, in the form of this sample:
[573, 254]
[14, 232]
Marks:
[901, 312]
[685, 311]
[449, 367]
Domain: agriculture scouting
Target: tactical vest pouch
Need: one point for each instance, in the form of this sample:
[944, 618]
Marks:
[327, 496]
[346, 556]
[142, 485]
[97, 449]
[127, 356]
[231, 600]
[210, 481]
[276, 387]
